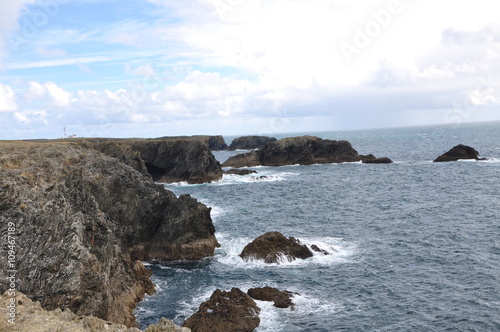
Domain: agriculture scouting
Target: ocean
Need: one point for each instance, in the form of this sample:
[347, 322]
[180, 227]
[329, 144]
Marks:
[415, 245]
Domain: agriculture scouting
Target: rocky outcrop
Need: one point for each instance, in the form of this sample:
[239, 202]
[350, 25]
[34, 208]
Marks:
[459, 152]
[281, 299]
[273, 247]
[303, 150]
[232, 311]
[236, 171]
[172, 160]
[250, 142]
[30, 316]
[83, 221]
[214, 143]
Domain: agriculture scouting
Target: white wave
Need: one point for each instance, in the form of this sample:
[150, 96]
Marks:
[230, 179]
[338, 252]
[178, 184]
[490, 160]
[160, 283]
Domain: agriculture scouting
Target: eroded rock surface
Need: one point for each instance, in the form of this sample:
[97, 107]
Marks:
[83, 221]
[232, 311]
[273, 247]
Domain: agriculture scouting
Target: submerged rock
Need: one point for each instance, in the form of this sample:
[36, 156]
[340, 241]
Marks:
[250, 142]
[167, 160]
[272, 247]
[31, 317]
[84, 221]
[459, 152]
[303, 150]
[318, 249]
[371, 159]
[281, 299]
[232, 311]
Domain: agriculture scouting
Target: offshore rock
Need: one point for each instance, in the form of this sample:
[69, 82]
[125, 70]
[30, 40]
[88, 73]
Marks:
[273, 247]
[303, 150]
[232, 311]
[167, 160]
[459, 152]
[83, 221]
[281, 299]
[371, 159]
[240, 171]
[30, 316]
[250, 142]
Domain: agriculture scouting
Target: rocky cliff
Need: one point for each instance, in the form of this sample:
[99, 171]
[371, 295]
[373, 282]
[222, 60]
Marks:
[83, 221]
[250, 142]
[167, 160]
[304, 150]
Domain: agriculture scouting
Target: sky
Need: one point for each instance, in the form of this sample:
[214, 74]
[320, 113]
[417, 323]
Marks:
[150, 68]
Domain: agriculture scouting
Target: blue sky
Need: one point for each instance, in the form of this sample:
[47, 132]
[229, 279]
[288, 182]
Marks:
[148, 68]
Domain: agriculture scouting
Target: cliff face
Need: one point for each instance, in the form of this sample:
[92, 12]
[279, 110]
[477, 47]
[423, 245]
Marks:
[171, 160]
[82, 223]
[304, 150]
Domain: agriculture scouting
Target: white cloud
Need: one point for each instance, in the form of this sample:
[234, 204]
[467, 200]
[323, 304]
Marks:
[54, 95]
[7, 99]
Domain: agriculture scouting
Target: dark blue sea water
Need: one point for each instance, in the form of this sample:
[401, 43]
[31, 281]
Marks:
[416, 244]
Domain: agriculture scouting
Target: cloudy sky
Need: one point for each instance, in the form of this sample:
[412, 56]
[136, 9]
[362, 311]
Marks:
[148, 68]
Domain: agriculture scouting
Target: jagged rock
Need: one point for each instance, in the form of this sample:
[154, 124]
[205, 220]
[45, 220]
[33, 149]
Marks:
[459, 152]
[83, 221]
[303, 150]
[272, 247]
[240, 171]
[250, 142]
[281, 299]
[167, 160]
[29, 316]
[225, 312]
